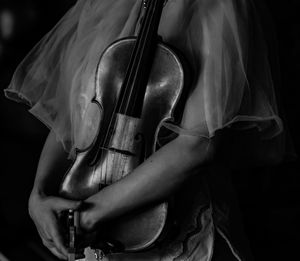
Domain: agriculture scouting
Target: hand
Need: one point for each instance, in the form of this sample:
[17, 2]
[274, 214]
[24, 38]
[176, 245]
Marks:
[45, 212]
[92, 213]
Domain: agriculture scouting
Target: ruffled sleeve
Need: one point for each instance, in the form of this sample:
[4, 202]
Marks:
[56, 79]
[221, 40]
[232, 89]
[233, 85]
[39, 79]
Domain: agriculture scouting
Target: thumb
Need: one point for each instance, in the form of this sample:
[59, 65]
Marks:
[65, 204]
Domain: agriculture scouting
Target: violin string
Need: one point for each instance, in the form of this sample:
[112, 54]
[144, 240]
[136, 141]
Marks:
[113, 119]
[134, 72]
[127, 86]
[116, 105]
[140, 58]
[136, 64]
[94, 153]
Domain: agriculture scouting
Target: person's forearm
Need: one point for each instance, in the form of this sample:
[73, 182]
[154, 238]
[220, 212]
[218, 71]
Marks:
[152, 181]
[44, 205]
[52, 166]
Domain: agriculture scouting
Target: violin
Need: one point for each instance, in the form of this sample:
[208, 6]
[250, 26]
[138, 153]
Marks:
[138, 83]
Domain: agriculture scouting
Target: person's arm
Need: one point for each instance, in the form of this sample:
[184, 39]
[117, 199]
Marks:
[52, 165]
[153, 180]
[44, 205]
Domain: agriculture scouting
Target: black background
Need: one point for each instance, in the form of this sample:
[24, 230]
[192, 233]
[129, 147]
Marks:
[268, 197]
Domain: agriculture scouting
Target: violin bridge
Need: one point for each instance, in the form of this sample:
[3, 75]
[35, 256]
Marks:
[124, 151]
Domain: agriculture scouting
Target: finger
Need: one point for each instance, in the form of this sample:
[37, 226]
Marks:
[41, 232]
[58, 239]
[50, 245]
[87, 221]
[45, 238]
[51, 232]
[56, 253]
[47, 243]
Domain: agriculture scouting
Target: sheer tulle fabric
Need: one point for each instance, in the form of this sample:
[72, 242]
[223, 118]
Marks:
[232, 85]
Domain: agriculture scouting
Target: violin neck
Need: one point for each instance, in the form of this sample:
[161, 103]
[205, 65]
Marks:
[134, 86]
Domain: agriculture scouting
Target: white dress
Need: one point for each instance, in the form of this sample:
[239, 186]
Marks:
[232, 88]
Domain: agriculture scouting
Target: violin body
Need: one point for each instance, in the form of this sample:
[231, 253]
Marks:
[138, 83]
[132, 139]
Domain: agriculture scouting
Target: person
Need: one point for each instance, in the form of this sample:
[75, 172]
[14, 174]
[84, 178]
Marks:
[230, 120]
